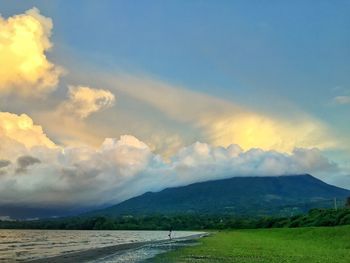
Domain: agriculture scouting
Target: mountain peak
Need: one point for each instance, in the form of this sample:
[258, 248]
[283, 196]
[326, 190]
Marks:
[258, 195]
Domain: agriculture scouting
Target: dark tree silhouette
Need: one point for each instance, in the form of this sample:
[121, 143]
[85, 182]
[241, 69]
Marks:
[347, 204]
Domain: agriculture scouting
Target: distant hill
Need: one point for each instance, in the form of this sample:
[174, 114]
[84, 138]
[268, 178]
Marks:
[279, 195]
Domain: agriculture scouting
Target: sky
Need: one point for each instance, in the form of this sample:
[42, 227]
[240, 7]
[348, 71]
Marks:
[104, 100]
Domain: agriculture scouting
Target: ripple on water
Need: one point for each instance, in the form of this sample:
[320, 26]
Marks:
[22, 245]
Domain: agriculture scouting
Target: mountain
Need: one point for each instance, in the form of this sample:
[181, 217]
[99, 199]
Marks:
[282, 195]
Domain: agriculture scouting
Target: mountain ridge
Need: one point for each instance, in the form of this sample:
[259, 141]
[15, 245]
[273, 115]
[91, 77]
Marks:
[255, 195]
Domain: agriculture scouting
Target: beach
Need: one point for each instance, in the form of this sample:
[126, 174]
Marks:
[121, 252]
[88, 245]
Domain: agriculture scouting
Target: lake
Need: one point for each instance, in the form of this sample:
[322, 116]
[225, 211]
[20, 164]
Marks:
[86, 245]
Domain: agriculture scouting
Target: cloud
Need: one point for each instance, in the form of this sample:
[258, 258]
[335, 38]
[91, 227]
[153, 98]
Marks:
[6, 218]
[23, 162]
[238, 141]
[122, 168]
[168, 117]
[222, 122]
[18, 133]
[205, 162]
[84, 101]
[24, 67]
[341, 100]
[73, 113]
[4, 163]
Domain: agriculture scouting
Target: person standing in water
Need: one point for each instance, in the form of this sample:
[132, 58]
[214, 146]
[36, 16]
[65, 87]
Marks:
[170, 232]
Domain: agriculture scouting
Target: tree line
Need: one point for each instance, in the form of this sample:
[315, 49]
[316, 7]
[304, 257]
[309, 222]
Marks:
[315, 217]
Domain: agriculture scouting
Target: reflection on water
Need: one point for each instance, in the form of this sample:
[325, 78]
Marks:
[143, 253]
[20, 245]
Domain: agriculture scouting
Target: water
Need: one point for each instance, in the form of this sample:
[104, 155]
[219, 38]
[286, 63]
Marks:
[143, 253]
[22, 245]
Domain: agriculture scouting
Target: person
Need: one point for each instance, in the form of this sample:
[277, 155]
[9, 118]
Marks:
[169, 235]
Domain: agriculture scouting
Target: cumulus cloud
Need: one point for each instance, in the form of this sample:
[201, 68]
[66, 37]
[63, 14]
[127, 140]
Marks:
[84, 101]
[23, 162]
[3, 166]
[35, 170]
[205, 162]
[4, 163]
[73, 112]
[24, 67]
[341, 100]
[18, 134]
[125, 167]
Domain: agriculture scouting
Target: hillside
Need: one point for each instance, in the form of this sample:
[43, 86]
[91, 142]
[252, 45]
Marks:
[280, 195]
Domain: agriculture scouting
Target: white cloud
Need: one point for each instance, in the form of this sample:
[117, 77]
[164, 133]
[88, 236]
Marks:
[24, 67]
[84, 101]
[18, 133]
[35, 170]
[222, 122]
[6, 218]
[73, 114]
[341, 100]
[125, 167]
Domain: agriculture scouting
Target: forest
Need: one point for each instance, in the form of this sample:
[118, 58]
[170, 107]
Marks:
[315, 217]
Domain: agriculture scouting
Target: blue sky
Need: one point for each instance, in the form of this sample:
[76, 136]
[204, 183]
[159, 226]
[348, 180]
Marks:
[266, 75]
[248, 51]
[228, 47]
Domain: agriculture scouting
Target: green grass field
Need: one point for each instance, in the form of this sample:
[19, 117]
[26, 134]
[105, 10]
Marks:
[316, 244]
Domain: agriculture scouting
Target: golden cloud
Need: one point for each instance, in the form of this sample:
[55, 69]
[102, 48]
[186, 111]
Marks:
[252, 130]
[84, 101]
[21, 129]
[71, 113]
[24, 67]
[221, 122]
[121, 168]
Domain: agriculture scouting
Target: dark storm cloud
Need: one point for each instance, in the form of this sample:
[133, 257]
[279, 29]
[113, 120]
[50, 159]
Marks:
[4, 163]
[23, 162]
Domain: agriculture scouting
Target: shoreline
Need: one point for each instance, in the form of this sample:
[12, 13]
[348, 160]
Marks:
[96, 253]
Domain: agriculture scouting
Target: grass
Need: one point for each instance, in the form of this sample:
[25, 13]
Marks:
[313, 244]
